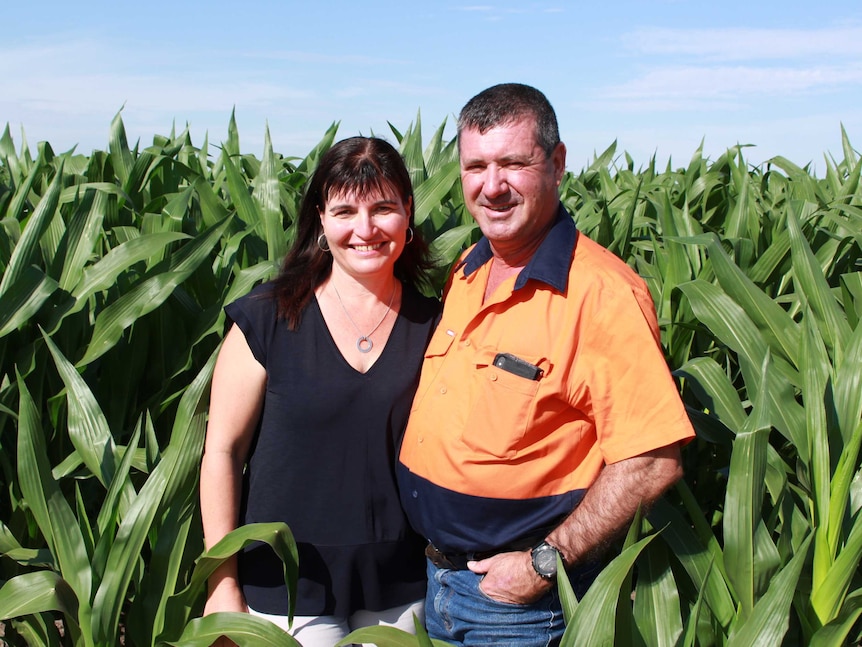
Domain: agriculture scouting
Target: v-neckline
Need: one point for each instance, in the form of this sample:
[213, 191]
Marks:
[334, 347]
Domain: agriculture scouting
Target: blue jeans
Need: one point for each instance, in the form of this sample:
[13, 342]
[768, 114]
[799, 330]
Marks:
[458, 612]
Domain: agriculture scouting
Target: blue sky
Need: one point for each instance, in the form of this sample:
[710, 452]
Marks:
[657, 76]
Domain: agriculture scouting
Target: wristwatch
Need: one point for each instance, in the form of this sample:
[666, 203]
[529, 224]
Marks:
[544, 558]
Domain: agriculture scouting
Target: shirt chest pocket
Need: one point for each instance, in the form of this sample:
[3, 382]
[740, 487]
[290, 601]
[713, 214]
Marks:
[503, 404]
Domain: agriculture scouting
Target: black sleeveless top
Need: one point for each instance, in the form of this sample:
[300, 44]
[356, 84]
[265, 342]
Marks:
[323, 461]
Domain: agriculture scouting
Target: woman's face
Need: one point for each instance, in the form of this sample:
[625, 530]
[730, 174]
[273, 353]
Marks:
[366, 235]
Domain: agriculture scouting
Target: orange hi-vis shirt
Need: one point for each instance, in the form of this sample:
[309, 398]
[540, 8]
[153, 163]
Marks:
[490, 458]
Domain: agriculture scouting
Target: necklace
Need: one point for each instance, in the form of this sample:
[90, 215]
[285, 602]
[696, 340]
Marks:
[363, 342]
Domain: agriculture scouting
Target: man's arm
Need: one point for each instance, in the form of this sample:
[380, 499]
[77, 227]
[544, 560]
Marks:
[605, 511]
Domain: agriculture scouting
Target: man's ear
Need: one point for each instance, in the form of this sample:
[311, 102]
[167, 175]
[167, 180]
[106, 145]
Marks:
[558, 158]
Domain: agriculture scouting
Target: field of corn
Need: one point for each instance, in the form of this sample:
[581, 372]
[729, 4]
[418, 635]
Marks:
[115, 267]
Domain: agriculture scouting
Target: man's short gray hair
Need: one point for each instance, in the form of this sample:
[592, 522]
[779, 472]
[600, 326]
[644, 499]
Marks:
[506, 103]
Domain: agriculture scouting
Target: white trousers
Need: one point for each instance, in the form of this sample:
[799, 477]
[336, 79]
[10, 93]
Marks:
[325, 631]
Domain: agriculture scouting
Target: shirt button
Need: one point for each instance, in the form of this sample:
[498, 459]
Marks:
[415, 494]
[493, 377]
[443, 390]
[467, 343]
[421, 439]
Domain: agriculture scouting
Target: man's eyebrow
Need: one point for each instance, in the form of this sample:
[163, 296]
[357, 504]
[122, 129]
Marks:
[504, 159]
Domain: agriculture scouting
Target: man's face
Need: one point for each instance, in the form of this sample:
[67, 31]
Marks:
[510, 185]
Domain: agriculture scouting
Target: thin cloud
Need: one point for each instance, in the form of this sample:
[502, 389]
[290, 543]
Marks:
[500, 11]
[147, 92]
[324, 59]
[748, 44]
[729, 85]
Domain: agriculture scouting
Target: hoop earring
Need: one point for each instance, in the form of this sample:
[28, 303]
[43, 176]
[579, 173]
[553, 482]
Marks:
[409, 236]
[323, 243]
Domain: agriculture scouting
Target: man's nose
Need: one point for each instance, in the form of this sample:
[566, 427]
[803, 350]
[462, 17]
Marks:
[495, 181]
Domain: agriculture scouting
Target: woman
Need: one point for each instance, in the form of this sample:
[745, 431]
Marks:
[310, 395]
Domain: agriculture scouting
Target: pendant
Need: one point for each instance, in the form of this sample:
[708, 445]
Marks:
[364, 345]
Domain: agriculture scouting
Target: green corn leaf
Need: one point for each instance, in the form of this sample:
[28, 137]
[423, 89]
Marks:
[72, 193]
[197, 251]
[24, 299]
[391, 637]
[812, 284]
[714, 390]
[9, 156]
[704, 564]
[689, 638]
[410, 144]
[50, 509]
[848, 386]
[828, 596]
[213, 210]
[266, 194]
[176, 471]
[11, 548]
[850, 156]
[103, 274]
[814, 366]
[121, 156]
[276, 535]
[448, 246]
[770, 318]
[840, 501]
[837, 633]
[621, 245]
[37, 592]
[744, 498]
[593, 622]
[22, 194]
[439, 152]
[149, 294]
[146, 616]
[82, 234]
[248, 277]
[120, 492]
[113, 320]
[673, 259]
[40, 630]
[768, 623]
[88, 428]
[656, 599]
[245, 206]
[430, 193]
[24, 253]
[769, 262]
[729, 322]
[242, 628]
[568, 599]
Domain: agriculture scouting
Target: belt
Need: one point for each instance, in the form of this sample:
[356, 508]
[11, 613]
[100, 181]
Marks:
[458, 561]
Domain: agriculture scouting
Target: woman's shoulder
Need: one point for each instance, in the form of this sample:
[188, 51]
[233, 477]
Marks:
[260, 301]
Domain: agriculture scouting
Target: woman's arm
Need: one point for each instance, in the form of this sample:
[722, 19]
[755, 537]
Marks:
[236, 399]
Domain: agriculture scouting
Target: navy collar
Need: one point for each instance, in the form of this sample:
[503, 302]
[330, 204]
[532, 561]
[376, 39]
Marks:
[550, 264]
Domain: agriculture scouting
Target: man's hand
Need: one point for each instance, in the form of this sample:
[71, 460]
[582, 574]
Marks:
[510, 578]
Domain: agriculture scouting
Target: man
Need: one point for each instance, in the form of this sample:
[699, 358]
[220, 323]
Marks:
[545, 413]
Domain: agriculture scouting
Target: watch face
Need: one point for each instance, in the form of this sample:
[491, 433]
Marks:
[545, 561]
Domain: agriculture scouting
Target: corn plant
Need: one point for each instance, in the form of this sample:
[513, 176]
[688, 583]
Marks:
[115, 268]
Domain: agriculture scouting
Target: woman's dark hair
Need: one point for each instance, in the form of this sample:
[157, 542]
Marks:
[363, 166]
[506, 103]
